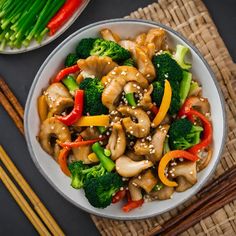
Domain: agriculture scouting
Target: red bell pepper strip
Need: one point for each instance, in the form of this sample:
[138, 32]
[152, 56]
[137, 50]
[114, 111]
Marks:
[154, 109]
[64, 72]
[66, 11]
[77, 111]
[188, 104]
[119, 196]
[78, 143]
[132, 205]
[207, 132]
[62, 160]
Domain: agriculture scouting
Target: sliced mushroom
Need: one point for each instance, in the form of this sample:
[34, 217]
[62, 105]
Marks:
[162, 194]
[117, 141]
[200, 104]
[188, 170]
[134, 156]
[204, 159]
[115, 82]
[146, 100]
[90, 133]
[53, 128]
[139, 129]
[58, 98]
[132, 87]
[128, 168]
[141, 57]
[157, 143]
[141, 147]
[183, 184]
[156, 36]
[109, 35]
[95, 66]
[146, 181]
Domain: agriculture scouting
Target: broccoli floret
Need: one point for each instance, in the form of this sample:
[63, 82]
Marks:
[183, 134]
[129, 62]
[167, 68]
[80, 172]
[180, 55]
[84, 47]
[99, 191]
[157, 93]
[77, 178]
[100, 47]
[93, 89]
[175, 102]
[71, 60]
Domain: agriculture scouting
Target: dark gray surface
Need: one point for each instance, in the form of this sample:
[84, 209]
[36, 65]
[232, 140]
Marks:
[19, 71]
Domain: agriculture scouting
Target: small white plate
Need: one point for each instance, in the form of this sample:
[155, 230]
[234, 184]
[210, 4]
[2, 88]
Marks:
[51, 170]
[34, 45]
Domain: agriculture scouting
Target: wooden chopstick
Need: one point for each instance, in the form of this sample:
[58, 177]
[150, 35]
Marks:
[12, 113]
[218, 192]
[11, 97]
[38, 205]
[23, 204]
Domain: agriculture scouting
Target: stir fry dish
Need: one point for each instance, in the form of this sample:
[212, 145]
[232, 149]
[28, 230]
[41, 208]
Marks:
[125, 119]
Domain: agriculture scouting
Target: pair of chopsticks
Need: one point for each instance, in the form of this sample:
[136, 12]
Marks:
[11, 105]
[43, 221]
[212, 197]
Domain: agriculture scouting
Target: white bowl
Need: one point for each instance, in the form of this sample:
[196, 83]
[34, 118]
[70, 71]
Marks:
[50, 169]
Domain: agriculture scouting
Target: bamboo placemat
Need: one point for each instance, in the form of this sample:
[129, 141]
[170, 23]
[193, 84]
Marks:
[191, 18]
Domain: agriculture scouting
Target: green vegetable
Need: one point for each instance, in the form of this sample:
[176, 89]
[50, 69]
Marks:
[70, 83]
[107, 152]
[93, 89]
[129, 62]
[194, 86]
[100, 47]
[167, 68]
[80, 172]
[179, 56]
[130, 99]
[185, 86]
[102, 129]
[158, 187]
[71, 60]
[166, 146]
[107, 163]
[183, 134]
[99, 191]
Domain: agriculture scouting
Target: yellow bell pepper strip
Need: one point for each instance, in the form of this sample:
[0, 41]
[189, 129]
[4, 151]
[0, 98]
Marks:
[93, 157]
[100, 120]
[42, 108]
[165, 104]
[166, 159]
[62, 160]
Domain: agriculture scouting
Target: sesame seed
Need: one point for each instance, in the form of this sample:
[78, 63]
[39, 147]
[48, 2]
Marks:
[113, 72]
[108, 62]
[139, 177]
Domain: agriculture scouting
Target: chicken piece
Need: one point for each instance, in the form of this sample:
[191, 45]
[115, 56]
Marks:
[134, 156]
[162, 194]
[117, 141]
[157, 143]
[205, 157]
[58, 98]
[188, 171]
[135, 191]
[141, 39]
[141, 147]
[53, 128]
[90, 133]
[95, 66]
[107, 34]
[157, 37]
[139, 129]
[142, 59]
[146, 100]
[115, 82]
[132, 87]
[146, 181]
[129, 168]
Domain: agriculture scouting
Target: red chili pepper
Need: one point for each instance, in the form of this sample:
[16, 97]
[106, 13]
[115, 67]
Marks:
[207, 132]
[119, 196]
[66, 11]
[64, 72]
[154, 109]
[132, 205]
[62, 160]
[78, 143]
[76, 113]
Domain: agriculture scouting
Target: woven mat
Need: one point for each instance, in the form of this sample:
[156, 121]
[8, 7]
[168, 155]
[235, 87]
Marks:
[191, 18]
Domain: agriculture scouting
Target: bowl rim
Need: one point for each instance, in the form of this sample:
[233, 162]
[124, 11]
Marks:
[119, 20]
